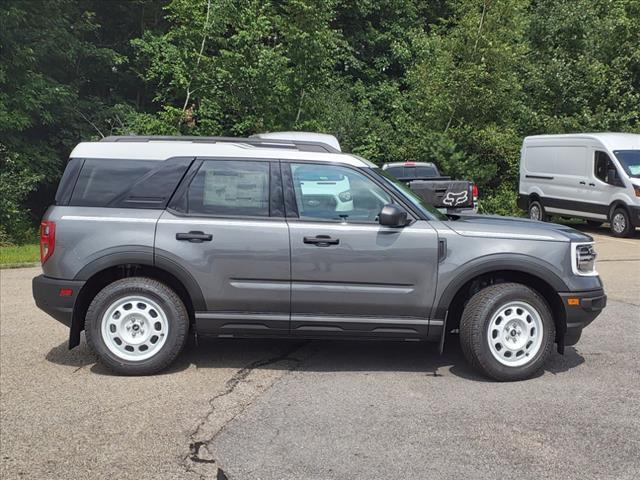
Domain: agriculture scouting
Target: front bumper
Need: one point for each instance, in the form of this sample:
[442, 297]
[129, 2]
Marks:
[46, 293]
[581, 308]
[634, 214]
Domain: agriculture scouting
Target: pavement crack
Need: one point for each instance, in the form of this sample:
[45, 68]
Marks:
[200, 459]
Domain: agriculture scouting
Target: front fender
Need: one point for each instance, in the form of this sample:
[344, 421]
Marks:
[513, 262]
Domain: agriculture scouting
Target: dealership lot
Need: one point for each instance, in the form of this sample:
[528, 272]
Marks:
[284, 409]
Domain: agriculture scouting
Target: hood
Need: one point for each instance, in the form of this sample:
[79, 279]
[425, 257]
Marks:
[494, 226]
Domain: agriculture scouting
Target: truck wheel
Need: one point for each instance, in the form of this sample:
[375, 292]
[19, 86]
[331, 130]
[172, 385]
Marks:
[536, 211]
[136, 326]
[621, 223]
[507, 331]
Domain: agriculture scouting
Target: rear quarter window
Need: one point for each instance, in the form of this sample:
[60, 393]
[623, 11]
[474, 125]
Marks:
[128, 183]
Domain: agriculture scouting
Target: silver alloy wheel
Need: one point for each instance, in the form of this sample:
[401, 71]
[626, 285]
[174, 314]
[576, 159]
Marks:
[534, 212]
[515, 334]
[134, 328]
[619, 223]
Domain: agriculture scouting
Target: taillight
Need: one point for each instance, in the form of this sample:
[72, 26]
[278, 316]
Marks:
[475, 192]
[47, 240]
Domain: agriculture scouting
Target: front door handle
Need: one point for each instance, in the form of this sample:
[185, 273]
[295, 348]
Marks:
[583, 183]
[592, 184]
[194, 237]
[321, 240]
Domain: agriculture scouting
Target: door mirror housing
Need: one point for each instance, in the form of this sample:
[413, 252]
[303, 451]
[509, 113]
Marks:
[613, 178]
[392, 216]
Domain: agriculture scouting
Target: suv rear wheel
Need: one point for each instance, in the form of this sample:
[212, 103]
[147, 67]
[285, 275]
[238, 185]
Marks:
[507, 331]
[137, 326]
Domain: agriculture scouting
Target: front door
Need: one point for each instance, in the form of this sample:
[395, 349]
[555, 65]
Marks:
[349, 275]
[226, 228]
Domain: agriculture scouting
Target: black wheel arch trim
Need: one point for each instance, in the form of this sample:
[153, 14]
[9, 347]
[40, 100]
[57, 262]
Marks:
[494, 263]
[138, 255]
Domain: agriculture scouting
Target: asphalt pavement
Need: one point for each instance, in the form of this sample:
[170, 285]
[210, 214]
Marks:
[322, 410]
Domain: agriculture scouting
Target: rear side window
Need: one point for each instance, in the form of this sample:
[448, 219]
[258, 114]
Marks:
[397, 172]
[230, 188]
[426, 172]
[128, 183]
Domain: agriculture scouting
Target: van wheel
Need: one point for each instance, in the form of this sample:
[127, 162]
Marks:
[620, 223]
[137, 326]
[507, 331]
[536, 211]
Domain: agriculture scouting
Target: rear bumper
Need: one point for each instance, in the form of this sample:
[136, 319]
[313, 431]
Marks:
[46, 293]
[589, 306]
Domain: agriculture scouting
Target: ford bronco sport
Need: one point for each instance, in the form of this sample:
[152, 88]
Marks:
[153, 237]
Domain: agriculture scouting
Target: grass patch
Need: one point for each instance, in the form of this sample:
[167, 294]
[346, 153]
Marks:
[19, 255]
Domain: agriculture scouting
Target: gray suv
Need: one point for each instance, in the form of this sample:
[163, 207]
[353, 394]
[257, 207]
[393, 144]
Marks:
[153, 237]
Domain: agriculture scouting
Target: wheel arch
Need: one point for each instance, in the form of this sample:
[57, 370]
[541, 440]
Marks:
[105, 270]
[614, 205]
[526, 271]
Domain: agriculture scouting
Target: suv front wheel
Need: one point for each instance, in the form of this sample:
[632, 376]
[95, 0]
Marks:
[507, 331]
[137, 326]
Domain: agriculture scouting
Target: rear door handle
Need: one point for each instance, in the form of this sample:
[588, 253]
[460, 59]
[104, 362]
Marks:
[321, 240]
[194, 237]
[592, 184]
[583, 183]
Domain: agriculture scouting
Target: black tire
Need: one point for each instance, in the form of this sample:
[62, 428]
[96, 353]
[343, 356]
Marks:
[621, 223]
[474, 330]
[536, 211]
[175, 313]
[594, 223]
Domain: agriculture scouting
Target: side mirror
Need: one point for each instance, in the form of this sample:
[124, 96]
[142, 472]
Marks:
[612, 177]
[392, 216]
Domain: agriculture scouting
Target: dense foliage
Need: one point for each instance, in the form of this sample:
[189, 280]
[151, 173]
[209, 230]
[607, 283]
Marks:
[458, 82]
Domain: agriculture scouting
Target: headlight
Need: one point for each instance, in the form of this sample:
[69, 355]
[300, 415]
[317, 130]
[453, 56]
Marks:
[583, 259]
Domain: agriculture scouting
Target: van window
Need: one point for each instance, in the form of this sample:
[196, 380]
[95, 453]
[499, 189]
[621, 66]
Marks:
[556, 160]
[102, 180]
[230, 188]
[602, 165]
[630, 161]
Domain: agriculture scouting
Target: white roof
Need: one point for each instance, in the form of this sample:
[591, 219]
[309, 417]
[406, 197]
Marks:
[611, 140]
[164, 149]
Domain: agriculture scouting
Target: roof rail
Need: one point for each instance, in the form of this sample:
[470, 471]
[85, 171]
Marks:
[300, 145]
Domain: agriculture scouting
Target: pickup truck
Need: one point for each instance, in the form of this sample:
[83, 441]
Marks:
[448, 196]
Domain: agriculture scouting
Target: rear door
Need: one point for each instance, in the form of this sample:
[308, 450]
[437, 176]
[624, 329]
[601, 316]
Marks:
[226, 228]
[349, 275]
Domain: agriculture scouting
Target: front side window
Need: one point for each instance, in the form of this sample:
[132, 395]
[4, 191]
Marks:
[332, 192]
[604, 168]
[230, 188]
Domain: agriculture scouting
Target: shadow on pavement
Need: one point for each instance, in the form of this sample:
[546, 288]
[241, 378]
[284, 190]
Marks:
[319, 356]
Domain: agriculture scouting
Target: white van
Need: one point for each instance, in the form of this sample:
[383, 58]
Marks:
[595, 176]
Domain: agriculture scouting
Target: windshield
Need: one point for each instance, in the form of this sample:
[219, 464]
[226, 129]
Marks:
[630, 161]
[429, 210]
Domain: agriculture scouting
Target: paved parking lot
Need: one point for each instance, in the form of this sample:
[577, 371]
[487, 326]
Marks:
[322, 410]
